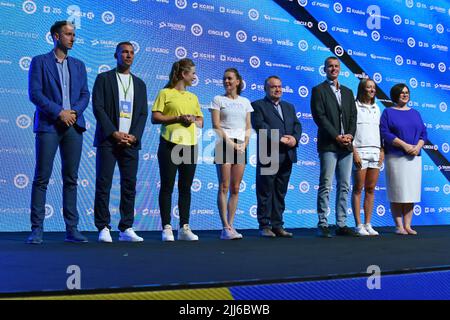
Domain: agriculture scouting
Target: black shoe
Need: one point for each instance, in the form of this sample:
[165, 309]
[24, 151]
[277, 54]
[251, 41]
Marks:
[35, 236]
[280, 232]
[324, 232]
[75, 236]
[345, 231]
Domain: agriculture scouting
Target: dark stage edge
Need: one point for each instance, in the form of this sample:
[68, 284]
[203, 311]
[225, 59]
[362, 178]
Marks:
[33, 270]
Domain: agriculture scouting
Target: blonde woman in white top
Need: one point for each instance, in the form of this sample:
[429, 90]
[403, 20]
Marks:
[368, 155]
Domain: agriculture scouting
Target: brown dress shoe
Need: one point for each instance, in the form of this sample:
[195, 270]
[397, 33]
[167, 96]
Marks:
[280, 232]
[267, 233]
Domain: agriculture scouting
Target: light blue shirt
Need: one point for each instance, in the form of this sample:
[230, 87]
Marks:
[64, 80]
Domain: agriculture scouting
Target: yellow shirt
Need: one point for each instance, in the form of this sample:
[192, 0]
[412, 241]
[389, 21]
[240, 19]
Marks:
[172, 102]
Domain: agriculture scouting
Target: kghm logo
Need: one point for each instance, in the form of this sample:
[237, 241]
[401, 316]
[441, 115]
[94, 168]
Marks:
[322, 25]
[381, 210]
[29, 7]
[303, 45]
[304, 139]
[303, 3]
[108, 17]
[23, 121]
[303, 91]
[399, 60]
[241, 36]
[181, 52]
[181, 4]
[254, 62]
[21, 181]
[253, 14]
[197, 30]
[337, 7]
[375, 35]
[304, 187]
[24, 63]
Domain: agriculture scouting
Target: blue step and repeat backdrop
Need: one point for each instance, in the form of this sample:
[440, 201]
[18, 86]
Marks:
[390, 41]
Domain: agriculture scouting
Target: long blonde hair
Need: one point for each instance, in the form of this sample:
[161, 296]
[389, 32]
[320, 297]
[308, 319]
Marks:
[176, 74]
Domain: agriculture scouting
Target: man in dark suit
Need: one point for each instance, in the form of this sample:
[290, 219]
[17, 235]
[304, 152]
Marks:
[278, 131]
[119, 100]
[334, 111]
[58, 88]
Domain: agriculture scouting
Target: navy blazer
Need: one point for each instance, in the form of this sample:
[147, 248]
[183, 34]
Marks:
[105, 104]
[325, 112]
[44, 90]
[265, 116]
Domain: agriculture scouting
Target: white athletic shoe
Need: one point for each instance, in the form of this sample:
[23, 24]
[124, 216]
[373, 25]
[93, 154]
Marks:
[185, 234]
[104, 235]
[370, 230]
[361, 230]
[167, 233]
[130, 236]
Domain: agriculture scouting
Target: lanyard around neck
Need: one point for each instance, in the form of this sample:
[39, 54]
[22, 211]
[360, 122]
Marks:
[125, 90]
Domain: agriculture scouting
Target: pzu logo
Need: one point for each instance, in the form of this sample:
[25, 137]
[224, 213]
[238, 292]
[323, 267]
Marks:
[411, 42]
[255, 62]
[442, 67]
[375, 35]
[253, 14]
[197, 30]
[241, 36]
[181, 52]
[322, 25]
[337, 7]
[399, 60]
[304, 139]
[24, 63]
[23, 121]
[303, 45]
[181, 4]
[304, 187]
[377, 77]
[108, 17]
[303, 91]
[29, 7]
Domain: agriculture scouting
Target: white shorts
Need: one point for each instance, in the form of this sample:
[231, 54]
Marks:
[368, 160]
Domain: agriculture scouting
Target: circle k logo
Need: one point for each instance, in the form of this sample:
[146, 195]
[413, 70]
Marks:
[181, 4]
[375, 35]
[304, 187]
[181, 52]
[197, 30]
[411, 42]
[304, 139]
[24, 63]
[381, 210]
[322, 25]
[108, 17]
[21, 181]
[303, 45]
[29, 7]
[417, 210]
[23, 121]
[253, 14]
[399, 60]
[254, 62]
[241, 36]
[303, 91]
[337, 7]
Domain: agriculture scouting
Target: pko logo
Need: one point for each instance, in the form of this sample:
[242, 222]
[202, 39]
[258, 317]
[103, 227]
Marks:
[303, 45]
[304, 187]
[29, 7]
[253, 211]
[197, 30]
[322, 25]
[409, 3]
[196, 185]
[446, 189]
[377, 77]
[399, 60]
[48, 211]
[417, 210]
[381, 210]
[304, 139]
[254, 62]
[303, 91]
[241, 36]
[24, 63]
[443, 106]
[413, 82]
[303, 3]
[375, 35]
[411, 42]
[181, 52]
[23, 121]
[21, 181]
[181, 4]
[108, 17]
[442, 67]
[445, 147]
[253, 14]
[339, 51]
[337, 7]
[103, 68]
[397, 19]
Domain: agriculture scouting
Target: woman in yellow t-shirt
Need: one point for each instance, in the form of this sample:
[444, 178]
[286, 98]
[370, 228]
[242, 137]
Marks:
[178, 111]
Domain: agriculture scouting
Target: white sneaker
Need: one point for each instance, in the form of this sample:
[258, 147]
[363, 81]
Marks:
[370, 230]
[167, 234]
[130, 236]
[237, 235]
[227, 234]
[104, 235]
[186, 234]
[361, 230]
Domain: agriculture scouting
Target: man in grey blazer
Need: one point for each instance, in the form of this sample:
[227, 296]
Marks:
[334, 111]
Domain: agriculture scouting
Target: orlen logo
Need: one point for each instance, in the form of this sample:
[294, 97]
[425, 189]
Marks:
[381, 210]
[253, 14]
[24, 63]
[108, 17]
[49, 211]
[196, 185]
[242, 186]
[241, 36]
[302, 3]
[254, 62]
[29, 7]
[337, 7]
[181, 52]
[23, 121]
[375, 35]
[176, 212]
[197, 30]
[103, 68]
[304, 139]
[399, 60]
[253, 210]
[304, 187]
[303, 91]
[21, 181]
[322, 25]
[181, 4]
[417, 210]
[303, 45]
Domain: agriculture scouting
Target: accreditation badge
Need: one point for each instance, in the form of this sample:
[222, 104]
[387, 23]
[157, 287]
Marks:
[125, 109]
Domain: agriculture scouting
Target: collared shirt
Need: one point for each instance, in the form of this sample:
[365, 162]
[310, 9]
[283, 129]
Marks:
[336, 91]
[64, 80]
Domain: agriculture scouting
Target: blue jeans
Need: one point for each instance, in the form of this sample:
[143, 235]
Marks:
[331, 163]
[70, 143]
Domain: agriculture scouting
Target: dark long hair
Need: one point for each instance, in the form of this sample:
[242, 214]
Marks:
[361, 90]
[239, 77]
[176, 74]
[396, 91]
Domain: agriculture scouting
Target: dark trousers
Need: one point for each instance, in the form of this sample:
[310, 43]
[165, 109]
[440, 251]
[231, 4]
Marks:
[127, 159]
[168, 167]
[270, 193]
[70, 143]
